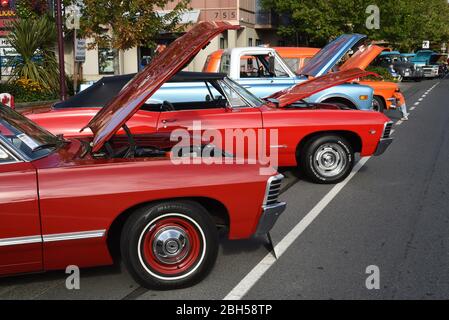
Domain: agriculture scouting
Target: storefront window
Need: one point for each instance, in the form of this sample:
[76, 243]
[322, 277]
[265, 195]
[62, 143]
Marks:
[106, 60]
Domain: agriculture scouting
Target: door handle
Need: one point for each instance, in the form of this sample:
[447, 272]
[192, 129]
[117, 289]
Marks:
[169, 120]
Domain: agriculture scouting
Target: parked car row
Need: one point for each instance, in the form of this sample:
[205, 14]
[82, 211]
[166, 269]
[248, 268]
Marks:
[94, 175]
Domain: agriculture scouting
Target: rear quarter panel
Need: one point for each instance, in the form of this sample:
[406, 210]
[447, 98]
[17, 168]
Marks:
[295, 124]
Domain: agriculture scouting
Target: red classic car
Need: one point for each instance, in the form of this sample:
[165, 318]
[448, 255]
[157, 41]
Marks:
[77, 201]
[320, 138]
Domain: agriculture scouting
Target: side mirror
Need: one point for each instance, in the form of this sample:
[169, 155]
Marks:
[271, 64]
[3, 155]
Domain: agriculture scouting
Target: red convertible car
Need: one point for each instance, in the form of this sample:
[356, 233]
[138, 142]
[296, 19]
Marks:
[77, 201]
[319, 138]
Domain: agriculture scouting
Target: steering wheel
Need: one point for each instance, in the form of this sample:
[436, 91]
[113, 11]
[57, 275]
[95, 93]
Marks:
[167, 106]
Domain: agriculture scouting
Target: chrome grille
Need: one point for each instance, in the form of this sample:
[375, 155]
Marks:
[273, 190]
[387, 130]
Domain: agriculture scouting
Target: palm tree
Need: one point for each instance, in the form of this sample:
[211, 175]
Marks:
[34, 40]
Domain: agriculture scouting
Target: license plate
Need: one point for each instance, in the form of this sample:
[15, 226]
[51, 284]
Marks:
[407, 74]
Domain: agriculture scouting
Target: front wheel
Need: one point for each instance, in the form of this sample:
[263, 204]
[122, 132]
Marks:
[169, 245]
[327, 159]
[378, 104]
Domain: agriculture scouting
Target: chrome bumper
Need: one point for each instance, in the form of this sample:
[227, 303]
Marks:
[269, 216]
[383, 145]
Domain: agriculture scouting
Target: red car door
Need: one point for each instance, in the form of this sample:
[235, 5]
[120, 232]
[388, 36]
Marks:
[221, 119]
[20, 232]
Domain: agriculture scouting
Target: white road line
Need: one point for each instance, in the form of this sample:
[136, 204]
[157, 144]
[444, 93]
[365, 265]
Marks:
[399, 122]
[412, 108]
[392, 131]
[242, 288]
[420, 99]
[417, 103]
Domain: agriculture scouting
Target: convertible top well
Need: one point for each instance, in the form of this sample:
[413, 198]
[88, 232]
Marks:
[102, 91]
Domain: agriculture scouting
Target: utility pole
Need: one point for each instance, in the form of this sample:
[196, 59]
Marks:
[62, 82]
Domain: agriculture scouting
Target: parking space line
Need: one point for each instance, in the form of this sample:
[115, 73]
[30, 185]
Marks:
[243, 287]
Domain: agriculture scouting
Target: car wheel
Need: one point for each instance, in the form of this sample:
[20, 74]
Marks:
[327, 159]
[378, 104]
[169, 245]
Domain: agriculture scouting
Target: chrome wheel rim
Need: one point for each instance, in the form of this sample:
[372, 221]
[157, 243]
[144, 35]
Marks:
[330, 160]
[376, 106]
[171, 245]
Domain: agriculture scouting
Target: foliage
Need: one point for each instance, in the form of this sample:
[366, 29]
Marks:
[34, 41]
[26, 9]
[126, 24]
[403, 23]
[23, 94]
[383, 72]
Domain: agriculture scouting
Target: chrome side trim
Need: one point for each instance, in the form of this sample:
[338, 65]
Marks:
[74, 235]
[20, 240]
[52, 237]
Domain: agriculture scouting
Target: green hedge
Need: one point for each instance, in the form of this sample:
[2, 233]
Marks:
[383, 72]
[22, 95]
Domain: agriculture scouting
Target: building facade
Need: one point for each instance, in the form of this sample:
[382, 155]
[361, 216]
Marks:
[257, 28]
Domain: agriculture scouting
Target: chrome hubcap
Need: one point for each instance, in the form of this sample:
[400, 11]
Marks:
[171, 245]
[330, 160]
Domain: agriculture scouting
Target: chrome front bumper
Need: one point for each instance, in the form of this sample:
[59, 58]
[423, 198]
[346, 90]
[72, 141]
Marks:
[383, 145]
[269, 216]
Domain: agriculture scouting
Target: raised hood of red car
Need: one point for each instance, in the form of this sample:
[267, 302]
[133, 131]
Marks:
[165, 65]
[362, 58]
[307, 88]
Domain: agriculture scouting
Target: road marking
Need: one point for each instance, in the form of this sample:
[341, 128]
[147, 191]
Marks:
[420, 99]
[412, 108]
[392, 131]
[399, 122]
[242, 288]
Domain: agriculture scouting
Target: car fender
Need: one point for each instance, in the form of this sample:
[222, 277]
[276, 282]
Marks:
[349, 92]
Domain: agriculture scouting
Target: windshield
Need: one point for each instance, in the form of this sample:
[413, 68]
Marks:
[245, 94]
[28, 138]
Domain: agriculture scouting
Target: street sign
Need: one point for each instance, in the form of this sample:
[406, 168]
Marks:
[426, 44]
[80, 50]
[72, 17]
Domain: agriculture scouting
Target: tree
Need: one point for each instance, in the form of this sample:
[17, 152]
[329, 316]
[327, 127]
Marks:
[403, 23]
[127, 24]
[34, 40]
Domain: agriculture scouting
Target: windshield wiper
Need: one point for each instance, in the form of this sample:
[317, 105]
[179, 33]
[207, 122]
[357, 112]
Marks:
[45, 146]
[50, 145]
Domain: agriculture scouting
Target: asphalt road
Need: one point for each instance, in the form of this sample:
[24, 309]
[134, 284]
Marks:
[392, 213]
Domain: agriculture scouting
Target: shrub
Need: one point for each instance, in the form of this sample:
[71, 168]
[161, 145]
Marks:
[27, 91]
[34, 40]
[383, 72]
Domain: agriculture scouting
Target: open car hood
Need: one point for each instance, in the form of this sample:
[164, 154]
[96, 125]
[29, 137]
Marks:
[328, 57]
[362, 58]
[307, 88]
[144, 84]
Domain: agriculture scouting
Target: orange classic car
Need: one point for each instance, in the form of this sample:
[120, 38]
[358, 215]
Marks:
[387, 95]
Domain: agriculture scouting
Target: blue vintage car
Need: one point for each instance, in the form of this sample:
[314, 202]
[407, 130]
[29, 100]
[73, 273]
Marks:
[273, 75]
[430, 62]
